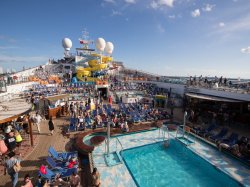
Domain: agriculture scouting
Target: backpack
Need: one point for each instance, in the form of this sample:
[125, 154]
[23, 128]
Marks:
[17, 167]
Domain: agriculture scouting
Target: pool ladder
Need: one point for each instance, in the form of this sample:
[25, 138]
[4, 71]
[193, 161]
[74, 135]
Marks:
[116, 144]
[182, 131]
[164, 133]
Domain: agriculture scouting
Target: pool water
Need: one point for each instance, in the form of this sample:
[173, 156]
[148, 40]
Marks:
[175, 166]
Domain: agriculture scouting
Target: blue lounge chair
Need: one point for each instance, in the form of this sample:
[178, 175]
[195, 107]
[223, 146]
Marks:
[72, 127]
[53, 164]
[51, 174]
[64, 156]
[231, 140]
[219, 136]
[206, 131]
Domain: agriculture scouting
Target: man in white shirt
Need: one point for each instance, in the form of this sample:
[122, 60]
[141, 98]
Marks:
[37, 119]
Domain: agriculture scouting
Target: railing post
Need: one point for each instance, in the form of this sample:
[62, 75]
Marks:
[30, 131]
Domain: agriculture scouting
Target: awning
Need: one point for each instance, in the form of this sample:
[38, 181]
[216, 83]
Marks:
[211, 98]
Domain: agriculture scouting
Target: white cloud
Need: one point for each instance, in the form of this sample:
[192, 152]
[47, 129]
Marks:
[130, 1]
[159, 3]
[171, 16]
[195, 13]
[109, 1]
[221, 24]
[22, 59]
[7, 38]
[169, 3]
[238, 25]
[208, 8]
[8, 47]
[154, 5]
[160, 28]
[116, 13]
[245, 50]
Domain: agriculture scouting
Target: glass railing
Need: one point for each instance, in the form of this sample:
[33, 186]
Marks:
[233, 86]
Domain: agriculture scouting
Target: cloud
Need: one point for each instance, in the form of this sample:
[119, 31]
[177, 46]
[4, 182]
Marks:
[154, 5]
[246, 50]
[237, 25]
[109, 1]
[221, 24]
[159, 3]
[208, 8]
[160, 28]
[169, 3]
[8, 47]
[195, 13]
[130, 1]
[8, 39]
[116, 13]
[22, 59]
[171, 16]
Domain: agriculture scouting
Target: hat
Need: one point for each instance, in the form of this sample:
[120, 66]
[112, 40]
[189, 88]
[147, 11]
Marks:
[7, 130]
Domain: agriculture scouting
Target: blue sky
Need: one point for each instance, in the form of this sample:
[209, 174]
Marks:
[166, 37]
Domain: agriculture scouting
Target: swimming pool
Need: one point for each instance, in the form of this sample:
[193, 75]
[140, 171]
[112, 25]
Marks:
[154, 165]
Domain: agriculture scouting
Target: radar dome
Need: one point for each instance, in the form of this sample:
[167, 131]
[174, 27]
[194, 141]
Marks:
[109, 48]
[100, 44]
[67, 44]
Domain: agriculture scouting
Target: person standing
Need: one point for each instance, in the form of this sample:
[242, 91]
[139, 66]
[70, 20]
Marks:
[96, 178]
[19, 139]
[51, 126]
[37, 119]
[9, 166]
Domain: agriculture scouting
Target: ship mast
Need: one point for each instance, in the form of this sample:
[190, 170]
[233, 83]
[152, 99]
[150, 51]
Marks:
[84, 40]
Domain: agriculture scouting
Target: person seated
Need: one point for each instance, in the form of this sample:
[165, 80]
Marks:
[27, 181]
[98, 120]
[125, 127]
[94, 125]
[10, 139]
[59, 181]
[19, 138]
[74, 180]
[81, 123]
[121, 125]
[242, 148]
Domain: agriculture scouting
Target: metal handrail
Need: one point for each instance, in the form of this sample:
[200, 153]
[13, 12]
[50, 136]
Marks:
[119, 142]
[163, 132]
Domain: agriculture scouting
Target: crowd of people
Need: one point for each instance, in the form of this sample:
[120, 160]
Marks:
[215, 128]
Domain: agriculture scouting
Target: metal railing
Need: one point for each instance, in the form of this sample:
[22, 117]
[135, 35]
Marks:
[116, 143]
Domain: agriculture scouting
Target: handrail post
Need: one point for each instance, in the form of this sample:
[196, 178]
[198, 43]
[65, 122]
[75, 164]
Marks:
[30, 131]
[108, 138]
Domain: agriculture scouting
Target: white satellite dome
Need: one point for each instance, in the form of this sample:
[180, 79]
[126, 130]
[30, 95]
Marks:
[109, 48]
[67, 44]
[100, 44]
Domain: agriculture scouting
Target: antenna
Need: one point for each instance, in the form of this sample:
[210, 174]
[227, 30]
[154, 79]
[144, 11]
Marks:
[84, 40]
